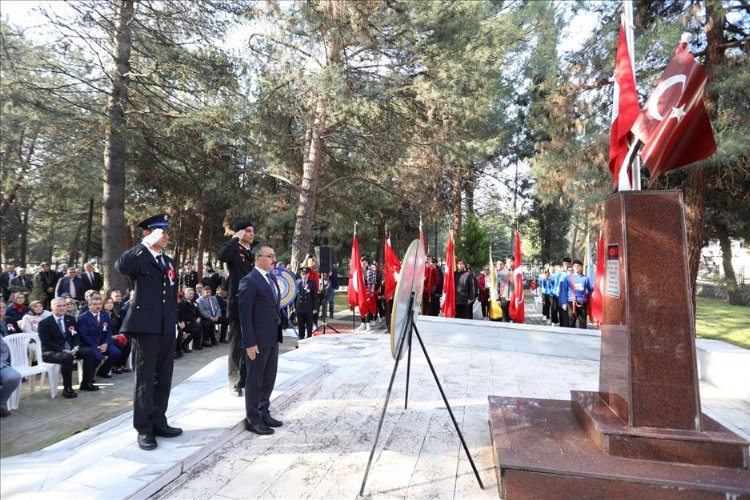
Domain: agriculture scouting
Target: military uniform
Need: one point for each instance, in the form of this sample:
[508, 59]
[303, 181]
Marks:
[240, 261]
[151, 321]
[305, 304]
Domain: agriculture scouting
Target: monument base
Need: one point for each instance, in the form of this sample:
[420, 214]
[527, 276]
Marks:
[541, 450]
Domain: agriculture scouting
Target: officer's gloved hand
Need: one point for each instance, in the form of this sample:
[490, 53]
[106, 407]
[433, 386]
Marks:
[152, 238]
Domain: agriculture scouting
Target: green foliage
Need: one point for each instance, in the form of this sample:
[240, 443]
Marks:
[715, 319]
[473, 244]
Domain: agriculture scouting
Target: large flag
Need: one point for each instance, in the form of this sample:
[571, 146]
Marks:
[596, 301]
[495, 311]
[448, 307]
[673, 124]
[624, 108]
[355, 294]
[517, 308]
[392, 268]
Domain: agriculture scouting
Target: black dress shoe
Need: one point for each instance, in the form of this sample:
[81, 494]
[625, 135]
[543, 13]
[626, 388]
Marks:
[146, 441]
[88, 387]
[235, 391]
[178, 354]
[207, 344]
[167, 432]
[272, 422]
[127, 370]
[261, 428]
[4, 412]
[69, 393]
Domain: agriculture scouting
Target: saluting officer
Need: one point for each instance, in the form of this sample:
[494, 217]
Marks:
[239, 258]
[151, 321]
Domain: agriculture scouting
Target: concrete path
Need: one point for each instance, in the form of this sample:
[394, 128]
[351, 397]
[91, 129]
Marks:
[330, 394]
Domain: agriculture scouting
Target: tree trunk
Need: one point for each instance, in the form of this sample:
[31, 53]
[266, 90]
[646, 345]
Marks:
[113, 198]
[695, 186]
[202, 230]
[73, 251]
[24, 236]
[456, 187]
[89, 225]
[470, 184]
[303, 227]
[722, 232]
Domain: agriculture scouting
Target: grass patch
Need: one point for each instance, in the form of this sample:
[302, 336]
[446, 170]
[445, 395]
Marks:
[715, 319]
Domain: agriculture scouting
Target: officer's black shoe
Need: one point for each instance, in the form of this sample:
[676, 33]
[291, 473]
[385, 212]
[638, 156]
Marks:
[69, 393]
[146, 441]
[261, 428]
[88, 387]
[167, 432]
[272, 422]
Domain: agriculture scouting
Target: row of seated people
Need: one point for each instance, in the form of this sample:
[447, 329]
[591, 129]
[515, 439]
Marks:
[198, 318]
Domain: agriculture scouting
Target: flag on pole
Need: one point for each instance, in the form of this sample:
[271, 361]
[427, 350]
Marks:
[624, 107]
[355, 294]
[448, 307]
[392, 268]
[517, 309]
[597, 300]
[421, 236]
[674, 124]
[495, 311]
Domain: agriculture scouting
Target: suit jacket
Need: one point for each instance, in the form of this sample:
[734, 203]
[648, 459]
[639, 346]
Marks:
[5, 283]
[88, 284]
[187, 312]
[240, 261]
[94, 335]
[20, 284]
[260, 319]
[153, 301]
[52, 339]
[307, 298]
[204, 307]
[189, 279]
[63, 286]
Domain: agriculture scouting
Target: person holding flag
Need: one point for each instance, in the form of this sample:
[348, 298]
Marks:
[597, 301]
[390, 279]
[495, 312]
[517, 303]
[356, 294]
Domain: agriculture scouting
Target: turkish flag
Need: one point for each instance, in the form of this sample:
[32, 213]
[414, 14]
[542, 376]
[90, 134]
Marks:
[448, 308]
[517, 308]
[624, 108]
[673, 124]
[392, 268]
[596, 301]
[356, 294]
[421, 236]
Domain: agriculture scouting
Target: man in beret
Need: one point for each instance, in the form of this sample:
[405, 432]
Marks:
[239, 259]
[151, 321]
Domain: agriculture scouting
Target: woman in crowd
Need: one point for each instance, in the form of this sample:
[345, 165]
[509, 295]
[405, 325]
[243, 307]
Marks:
[32, 318]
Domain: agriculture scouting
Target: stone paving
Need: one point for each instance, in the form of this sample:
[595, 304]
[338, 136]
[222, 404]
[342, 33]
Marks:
[330, 394]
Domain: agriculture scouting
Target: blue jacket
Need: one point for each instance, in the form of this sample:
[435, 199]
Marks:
[63, 287]
[582, 290]
[260, 319]
[153, 301]
[93, 335]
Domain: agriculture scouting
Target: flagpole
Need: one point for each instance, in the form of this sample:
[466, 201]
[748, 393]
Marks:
[630, 40]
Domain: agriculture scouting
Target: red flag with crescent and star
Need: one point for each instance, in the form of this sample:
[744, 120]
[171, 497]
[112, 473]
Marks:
[674, 124]
[448, 307]
[517, 309]
[392, 268]
[597, 299]
[624, 108]
[355, 293]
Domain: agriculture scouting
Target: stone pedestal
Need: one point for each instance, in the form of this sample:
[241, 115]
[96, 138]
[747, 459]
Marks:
[642, 434]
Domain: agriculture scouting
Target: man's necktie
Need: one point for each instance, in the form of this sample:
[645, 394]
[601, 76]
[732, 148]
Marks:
[97, 320]
[213, 310]
[273, 285]
[61, 326]
[160, 261]
[72, 288]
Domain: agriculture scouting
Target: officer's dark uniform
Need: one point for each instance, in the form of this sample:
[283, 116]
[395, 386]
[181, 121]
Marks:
[240, 261]
[151, 321]
[305, 304]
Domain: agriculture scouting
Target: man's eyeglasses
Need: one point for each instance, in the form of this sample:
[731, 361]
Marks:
[270, 256]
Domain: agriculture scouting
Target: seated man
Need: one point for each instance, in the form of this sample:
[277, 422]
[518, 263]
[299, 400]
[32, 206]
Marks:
[9, 378]
[95, 327]
[7, 325]
[189, 321]
[210, 312]
[61, 344]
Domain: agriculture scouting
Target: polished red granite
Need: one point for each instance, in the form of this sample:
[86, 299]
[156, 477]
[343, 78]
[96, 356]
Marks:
[648, 371]
[541, 451]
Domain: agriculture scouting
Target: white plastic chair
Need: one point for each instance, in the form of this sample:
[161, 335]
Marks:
[18, 343]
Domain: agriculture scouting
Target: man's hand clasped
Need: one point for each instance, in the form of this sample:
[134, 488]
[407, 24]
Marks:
[252, 352]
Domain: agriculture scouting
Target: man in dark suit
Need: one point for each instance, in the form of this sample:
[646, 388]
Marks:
[95, 327]
[21, 283]
[151, 320]
[239, 259]
[91, 279]
[211, 279]
[260, 320]
[306, 303]
[9, 274]
[70, 284]
[189, 278]
[61, 344]
[189, 321]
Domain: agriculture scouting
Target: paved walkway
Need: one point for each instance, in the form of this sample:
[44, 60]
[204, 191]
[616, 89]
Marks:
[330, 394]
